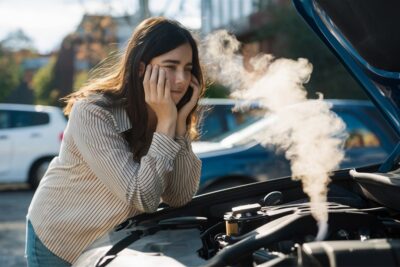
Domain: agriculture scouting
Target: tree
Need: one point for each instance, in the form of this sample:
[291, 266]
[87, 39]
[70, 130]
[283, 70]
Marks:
[9, 73]
[18, 40]
[43, 84]
[80, 79]
[216, 90]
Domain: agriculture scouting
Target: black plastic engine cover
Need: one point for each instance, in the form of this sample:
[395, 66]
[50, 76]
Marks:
[376, 252]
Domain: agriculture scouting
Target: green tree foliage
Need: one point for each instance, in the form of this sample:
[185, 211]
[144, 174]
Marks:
[80, 79]
[9, 73]
[292, 38]
[18, 40]
[216, 90]
[43, 84]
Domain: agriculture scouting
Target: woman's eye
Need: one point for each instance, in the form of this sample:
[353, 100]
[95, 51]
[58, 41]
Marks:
[170, 67]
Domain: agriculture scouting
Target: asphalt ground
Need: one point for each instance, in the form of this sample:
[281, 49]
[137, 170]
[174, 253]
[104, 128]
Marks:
[14, 203]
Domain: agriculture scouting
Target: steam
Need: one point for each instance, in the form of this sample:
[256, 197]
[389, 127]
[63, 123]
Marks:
[311, 135]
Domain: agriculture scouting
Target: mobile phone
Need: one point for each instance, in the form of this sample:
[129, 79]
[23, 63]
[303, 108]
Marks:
[185, 98]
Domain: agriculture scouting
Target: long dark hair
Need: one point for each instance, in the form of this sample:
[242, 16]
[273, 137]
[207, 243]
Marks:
[123, 80]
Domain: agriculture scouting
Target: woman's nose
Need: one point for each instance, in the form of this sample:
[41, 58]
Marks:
[180, 77]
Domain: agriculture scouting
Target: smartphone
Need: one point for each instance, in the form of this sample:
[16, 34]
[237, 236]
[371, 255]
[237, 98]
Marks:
[185, 98]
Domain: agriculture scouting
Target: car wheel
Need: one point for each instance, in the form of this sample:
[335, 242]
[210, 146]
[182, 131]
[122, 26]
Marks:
[38, 171]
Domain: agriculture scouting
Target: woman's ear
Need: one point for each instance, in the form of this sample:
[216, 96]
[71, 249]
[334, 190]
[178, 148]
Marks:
[142, 68]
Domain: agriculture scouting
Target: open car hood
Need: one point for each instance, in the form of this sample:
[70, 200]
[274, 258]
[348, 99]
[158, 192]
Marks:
[365, 36]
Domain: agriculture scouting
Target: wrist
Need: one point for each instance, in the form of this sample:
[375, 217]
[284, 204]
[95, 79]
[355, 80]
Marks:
[181, 128]
[167, 128]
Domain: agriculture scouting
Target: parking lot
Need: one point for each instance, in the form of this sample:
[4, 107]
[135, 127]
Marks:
[14, 202]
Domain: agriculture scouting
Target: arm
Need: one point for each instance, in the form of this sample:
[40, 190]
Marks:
[108, 155]
[183, 182]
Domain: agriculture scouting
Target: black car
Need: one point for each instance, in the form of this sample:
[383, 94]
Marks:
[269, 223]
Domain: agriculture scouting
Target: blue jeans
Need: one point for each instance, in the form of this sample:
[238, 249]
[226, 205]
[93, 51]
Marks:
[38, 254]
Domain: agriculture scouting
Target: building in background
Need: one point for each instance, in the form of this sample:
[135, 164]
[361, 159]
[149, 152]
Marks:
[274, 27]
[243, 18]
[94, 39]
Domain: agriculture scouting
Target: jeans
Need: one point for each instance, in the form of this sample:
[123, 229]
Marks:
[37, 254]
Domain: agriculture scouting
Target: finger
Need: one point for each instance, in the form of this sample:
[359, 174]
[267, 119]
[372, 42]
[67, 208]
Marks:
[167, 92]
[146, 81]
[196, 92]
[161, 83]
[153, 82]
[195, 80]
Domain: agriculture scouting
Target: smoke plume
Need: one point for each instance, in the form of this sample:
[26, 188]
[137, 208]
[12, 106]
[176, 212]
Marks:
[308, 132]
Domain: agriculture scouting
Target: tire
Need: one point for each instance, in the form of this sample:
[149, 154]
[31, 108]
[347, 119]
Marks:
[37, 172]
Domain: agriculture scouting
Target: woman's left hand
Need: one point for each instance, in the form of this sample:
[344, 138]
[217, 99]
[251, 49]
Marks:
[184, 112]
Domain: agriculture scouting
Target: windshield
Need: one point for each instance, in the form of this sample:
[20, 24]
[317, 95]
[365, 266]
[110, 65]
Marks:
[248, 122]
[220, 121]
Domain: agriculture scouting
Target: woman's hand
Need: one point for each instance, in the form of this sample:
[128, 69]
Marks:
[157, 91]
[184, 112]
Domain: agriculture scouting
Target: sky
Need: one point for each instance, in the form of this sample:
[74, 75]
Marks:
[47, 22]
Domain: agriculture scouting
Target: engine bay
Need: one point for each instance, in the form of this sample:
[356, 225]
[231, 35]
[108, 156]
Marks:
[271, 229]
[284, 236]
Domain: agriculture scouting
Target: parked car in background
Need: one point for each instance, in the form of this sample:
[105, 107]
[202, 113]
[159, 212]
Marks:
[244, 160]
[30, 136]
[221, 116]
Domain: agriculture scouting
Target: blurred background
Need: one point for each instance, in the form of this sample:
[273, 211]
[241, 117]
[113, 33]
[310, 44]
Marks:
[48, 47]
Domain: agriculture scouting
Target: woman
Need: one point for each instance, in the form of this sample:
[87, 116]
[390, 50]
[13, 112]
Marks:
[126, 146]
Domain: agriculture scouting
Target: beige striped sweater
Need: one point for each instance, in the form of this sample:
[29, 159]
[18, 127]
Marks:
[94, 184]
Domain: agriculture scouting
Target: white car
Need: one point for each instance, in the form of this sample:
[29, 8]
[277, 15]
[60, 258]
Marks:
[30, 136]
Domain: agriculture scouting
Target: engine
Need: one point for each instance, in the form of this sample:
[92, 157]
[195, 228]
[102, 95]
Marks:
[284, 235]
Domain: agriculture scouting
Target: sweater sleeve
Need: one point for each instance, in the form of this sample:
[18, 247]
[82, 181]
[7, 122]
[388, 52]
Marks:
[108, 155]
[183, 181]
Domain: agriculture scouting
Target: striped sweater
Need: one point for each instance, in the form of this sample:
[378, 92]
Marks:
[94, 184]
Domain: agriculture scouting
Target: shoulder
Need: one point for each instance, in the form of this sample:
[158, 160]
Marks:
[88, 111]
[95, 101]
[98, 107]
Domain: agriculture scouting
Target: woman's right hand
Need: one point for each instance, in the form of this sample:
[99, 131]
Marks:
[157, 91]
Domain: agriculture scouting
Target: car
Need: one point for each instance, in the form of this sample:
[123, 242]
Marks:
[220, 116]
[270, 223]
[30, 136]
[370, 141]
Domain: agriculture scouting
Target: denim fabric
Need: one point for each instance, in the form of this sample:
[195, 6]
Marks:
[37, 254]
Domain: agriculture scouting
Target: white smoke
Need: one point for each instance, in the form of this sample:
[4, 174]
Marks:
[309, 133]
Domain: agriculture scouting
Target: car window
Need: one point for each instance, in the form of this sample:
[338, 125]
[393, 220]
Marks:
[360, 135]
[5, 119]
[221, 121]
[28, 118]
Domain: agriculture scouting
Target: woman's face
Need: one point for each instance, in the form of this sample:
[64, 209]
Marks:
[178, 66]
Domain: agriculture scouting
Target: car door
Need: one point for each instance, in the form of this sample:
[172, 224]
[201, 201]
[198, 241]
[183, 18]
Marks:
[6, 144]
[29, 132]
